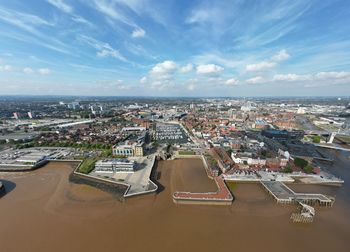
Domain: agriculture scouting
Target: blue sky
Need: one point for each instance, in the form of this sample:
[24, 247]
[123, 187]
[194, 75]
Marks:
[175, 48]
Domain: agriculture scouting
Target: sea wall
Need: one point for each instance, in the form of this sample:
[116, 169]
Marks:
[202, 202]
[117, 189]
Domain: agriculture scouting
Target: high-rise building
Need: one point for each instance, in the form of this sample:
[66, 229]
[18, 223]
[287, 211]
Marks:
[30, 114]
[16, 115]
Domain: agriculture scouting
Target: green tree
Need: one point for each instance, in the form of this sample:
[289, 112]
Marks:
[287, 169]
[308, 169]
[300, 162]
[316, 139]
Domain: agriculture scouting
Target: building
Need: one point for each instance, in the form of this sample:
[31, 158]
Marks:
[115, 165]
[283, 134]
[73, 105]
[138, 150]
[260, 124]
[133, 129]
[123, 150]
[16, 115]
[129, 150]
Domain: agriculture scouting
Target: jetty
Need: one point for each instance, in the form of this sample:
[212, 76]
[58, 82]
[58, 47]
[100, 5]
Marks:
[284, 195]
[222, 196]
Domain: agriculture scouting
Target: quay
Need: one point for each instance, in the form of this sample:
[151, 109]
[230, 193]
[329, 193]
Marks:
[222, 196]
[285, 195]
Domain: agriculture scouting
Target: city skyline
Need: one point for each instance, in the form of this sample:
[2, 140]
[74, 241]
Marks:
[175, 48]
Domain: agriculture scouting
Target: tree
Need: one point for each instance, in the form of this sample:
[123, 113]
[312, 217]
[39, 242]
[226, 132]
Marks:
[302, 163]
[316, 139]
[229, 152]
[287, 169]
[308, 169]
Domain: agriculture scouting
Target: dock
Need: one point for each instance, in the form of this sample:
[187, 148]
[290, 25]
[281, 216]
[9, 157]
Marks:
[284, 195]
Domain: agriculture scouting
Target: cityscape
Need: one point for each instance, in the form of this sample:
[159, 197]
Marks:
[174, 125]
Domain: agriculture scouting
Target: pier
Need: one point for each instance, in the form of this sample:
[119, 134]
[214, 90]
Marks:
[222, 196]
[285, 195]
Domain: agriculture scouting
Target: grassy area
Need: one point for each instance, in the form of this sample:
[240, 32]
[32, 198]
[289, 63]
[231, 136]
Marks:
[184, 152]
[316, 139]
[87, 165]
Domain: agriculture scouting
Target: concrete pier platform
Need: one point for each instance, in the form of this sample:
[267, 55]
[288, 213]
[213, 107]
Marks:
[283, 194]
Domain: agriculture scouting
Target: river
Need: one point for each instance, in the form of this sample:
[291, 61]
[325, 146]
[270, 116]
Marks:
[42, 211]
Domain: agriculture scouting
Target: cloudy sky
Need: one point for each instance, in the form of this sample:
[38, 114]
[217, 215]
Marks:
[175, 47]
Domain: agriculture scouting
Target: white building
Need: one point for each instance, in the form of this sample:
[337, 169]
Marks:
[115, 165]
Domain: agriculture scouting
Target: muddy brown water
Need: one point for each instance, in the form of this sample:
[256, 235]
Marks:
[44, 212]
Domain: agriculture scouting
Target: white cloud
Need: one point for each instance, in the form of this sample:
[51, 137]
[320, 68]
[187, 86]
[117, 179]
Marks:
[256, 80]
[24, 21]
[6, 68]
[260, 66]
[161, 85]
[164, 69]
[104, 49]
[44, 71]
[28, 70]
[209, 69]
[59, 4]
[187, 68]
[315, 80]
[138, 33]
[268, 64]
[143, 80]
[80, 19]
[198, 16]
[191, 87]
[110, 52]
[231, 82]
[291, 77]
[332, 75]
[281, 56]
[108, 8]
